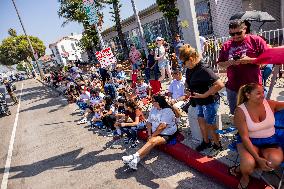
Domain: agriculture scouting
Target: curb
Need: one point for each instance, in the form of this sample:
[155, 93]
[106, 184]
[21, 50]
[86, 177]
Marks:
[206, 165]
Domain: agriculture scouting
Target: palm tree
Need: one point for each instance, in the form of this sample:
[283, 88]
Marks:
[171, 12]
[116, 15]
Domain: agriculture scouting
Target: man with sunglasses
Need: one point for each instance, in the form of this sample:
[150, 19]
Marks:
[237, 56]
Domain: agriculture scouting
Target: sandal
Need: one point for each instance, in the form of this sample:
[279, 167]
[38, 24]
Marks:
[233, 171]
[241, 186]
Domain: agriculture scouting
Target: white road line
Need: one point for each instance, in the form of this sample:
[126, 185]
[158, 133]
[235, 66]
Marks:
[11, 145]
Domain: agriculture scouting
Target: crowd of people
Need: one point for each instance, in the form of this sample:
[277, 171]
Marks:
[110, 102]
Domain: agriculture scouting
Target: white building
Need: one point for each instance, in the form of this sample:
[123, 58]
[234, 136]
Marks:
[67, 49]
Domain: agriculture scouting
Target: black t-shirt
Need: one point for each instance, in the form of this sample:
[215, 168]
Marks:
[199, 79]
[8, 87]
[151, 60]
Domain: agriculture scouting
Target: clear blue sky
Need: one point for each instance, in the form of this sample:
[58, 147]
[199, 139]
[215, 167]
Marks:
[40, 18]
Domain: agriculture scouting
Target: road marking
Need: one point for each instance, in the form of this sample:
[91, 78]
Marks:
[11, 145]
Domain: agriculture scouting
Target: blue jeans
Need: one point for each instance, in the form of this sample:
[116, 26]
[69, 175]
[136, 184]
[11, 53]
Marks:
[266, 71]
[131, 132]
[208, 112]
[232, 100]
[82, 105]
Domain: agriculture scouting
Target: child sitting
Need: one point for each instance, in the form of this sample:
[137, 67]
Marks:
[96, 121]
[142, 89]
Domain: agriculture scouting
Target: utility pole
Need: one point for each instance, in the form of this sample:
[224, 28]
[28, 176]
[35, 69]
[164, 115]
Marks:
[141, 32]
[29, 41]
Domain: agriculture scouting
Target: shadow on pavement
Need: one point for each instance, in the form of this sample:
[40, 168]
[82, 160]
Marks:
[66, 160]
[36, 94]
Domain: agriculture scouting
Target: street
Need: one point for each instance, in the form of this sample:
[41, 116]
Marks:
[52, 151]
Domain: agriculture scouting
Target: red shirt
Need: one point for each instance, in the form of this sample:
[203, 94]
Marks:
[238, 75]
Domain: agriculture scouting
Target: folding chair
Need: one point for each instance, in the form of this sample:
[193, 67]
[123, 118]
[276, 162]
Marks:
[279, 126]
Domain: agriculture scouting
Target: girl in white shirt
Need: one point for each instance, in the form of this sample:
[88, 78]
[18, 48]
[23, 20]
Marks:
[161, 128]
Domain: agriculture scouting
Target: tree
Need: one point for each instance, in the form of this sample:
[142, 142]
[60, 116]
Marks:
[72, 11]
[116, 16]
[12, 32]
[15, 49]
[168, 7]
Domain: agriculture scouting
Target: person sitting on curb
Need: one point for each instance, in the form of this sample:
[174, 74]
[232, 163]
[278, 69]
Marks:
[257, 143]
[161, 127]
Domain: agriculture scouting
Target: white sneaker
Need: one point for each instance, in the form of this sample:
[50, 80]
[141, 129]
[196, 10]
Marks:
[134, 162]
[82, 121]
[127, 159]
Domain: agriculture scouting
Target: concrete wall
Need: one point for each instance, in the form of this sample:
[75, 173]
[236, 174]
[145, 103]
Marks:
[132, 25]
[221, 11]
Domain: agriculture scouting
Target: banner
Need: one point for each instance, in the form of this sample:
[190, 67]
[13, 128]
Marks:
[271, 56]
[91, 11]
[106, 57]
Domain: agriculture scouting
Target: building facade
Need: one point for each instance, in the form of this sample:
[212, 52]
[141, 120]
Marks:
[212, 19]
[67, 49]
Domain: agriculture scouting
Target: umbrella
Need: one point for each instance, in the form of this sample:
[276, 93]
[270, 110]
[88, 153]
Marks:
[257, 16]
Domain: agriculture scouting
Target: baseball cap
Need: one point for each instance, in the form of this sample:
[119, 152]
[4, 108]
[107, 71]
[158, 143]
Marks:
[159, 39]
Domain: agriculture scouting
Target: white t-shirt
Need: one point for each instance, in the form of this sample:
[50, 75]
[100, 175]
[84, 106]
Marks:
[161, 52]
[141, 90]
[177, 89]
[95, 100]
[97, 115]
[85, 96]
[167, 116]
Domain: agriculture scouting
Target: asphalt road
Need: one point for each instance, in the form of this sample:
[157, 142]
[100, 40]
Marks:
[51, 151]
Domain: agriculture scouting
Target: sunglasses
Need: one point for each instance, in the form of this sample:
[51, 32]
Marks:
[236, 33]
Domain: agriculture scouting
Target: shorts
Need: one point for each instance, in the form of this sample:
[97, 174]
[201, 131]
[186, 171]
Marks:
[163, 64]
[169, 138]
[208, 112]
[269, 142]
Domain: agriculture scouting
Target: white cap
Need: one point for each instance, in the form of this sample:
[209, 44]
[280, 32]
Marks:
[159, 39]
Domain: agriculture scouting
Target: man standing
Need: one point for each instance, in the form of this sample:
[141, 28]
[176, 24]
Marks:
[237, 56]
[10, 90]
[178, 43]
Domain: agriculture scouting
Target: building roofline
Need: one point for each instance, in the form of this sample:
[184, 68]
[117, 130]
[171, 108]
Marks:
[61, 39]
[132, 18]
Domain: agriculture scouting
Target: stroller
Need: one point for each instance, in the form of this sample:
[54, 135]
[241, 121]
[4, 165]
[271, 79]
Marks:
[3, 103]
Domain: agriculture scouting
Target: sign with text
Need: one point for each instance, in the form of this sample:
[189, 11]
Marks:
[106, 57]
[91, 11]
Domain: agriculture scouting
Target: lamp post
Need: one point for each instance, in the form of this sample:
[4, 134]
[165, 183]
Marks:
[141, 32]
[29, 41]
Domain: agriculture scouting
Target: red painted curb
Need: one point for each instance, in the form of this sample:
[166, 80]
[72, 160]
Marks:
[208, 166]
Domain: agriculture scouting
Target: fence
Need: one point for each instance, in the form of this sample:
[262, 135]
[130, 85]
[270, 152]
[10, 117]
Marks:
[273, 37]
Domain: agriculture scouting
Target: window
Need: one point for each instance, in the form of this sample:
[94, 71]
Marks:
[63, 49]
[73, 46]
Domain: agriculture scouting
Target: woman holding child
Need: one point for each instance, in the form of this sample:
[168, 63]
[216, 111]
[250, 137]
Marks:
[134, 119]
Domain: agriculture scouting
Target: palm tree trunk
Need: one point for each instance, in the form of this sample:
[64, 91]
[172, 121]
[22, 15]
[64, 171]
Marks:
[118, 26]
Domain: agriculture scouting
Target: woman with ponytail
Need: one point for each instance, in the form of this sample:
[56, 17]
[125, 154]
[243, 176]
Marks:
[256, 143]
[204, 85]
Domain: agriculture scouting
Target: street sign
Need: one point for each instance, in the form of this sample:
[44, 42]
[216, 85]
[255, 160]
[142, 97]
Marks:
[91, 11]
